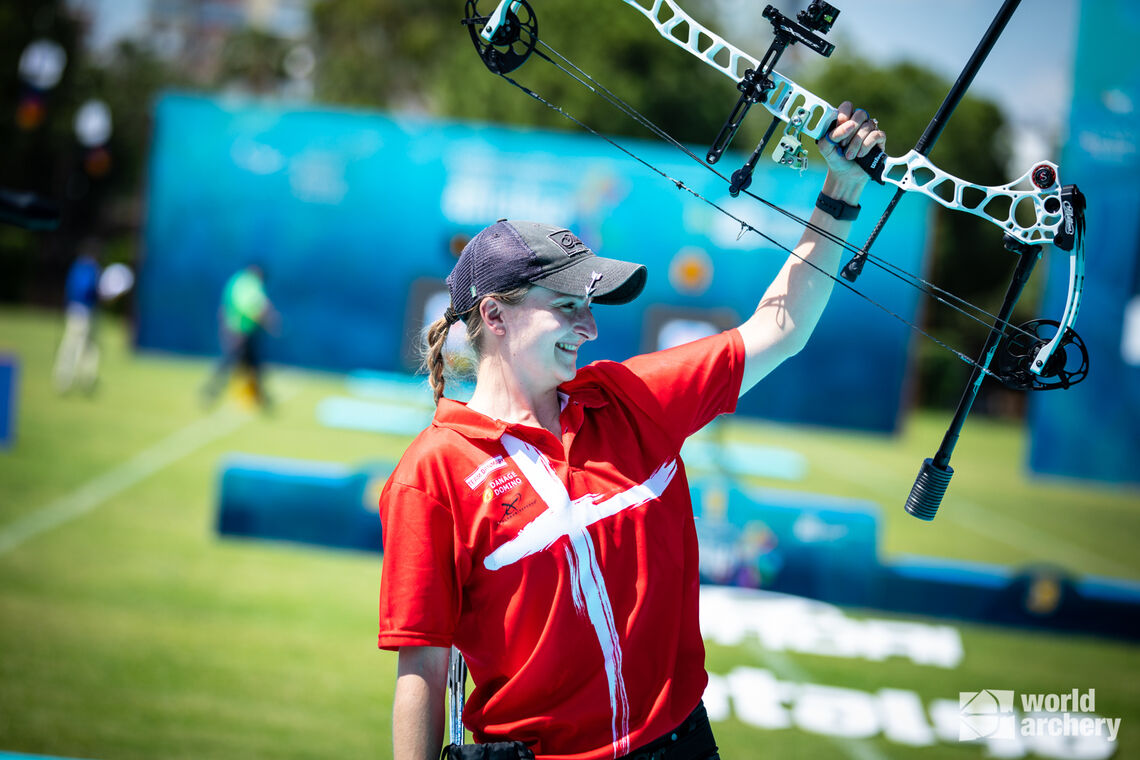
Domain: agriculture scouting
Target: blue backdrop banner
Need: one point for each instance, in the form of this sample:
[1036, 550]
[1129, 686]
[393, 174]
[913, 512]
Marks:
[357, 217]
[1093, 430]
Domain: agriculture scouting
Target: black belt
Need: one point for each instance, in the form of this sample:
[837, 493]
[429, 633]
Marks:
[692, 740]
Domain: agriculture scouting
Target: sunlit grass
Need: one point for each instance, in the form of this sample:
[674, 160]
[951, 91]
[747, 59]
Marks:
[134, 631]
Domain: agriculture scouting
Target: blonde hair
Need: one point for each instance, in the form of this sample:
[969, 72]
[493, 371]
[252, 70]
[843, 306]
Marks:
[435, 337]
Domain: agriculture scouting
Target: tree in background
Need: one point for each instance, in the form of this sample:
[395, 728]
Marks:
[100, 198]
[253, 61]
[395, 55]
[98, 194]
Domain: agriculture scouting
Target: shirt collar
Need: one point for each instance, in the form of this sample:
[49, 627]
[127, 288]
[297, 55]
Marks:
[474, 425]
[467, 422]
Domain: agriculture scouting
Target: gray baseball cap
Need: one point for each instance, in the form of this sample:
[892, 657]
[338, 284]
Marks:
[510, 254]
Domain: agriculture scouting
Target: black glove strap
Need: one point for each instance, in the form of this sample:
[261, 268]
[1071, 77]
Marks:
[844, 212]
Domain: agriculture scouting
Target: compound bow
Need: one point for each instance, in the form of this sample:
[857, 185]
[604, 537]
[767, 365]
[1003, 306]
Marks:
[1033, 210]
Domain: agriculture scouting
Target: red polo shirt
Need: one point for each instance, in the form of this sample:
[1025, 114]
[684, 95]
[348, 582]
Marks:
[565, 571]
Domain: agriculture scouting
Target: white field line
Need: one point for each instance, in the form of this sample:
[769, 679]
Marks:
[96, 491]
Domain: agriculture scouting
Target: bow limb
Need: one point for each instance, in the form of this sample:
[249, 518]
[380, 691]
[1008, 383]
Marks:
[498, 18]
[1072, 304]
[1070, 237]
[718, 53]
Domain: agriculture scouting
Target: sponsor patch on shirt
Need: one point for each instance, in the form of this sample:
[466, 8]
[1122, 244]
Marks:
[514, 507]
[502, 485]
[483, 470]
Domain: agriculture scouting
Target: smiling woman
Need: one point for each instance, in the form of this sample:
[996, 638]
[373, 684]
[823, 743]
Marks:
[527, 289]
[545, 528]
[542, 336]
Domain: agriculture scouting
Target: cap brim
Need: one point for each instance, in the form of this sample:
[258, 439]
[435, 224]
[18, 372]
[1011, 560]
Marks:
[620, 282]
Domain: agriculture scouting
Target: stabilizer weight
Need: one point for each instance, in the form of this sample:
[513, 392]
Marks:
[929, 488]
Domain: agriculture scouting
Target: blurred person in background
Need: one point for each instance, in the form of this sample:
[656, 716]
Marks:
[77, 360]
[245, 314]
[545, 528]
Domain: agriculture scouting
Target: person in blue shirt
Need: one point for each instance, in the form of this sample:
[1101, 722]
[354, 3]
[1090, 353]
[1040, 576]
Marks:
[77, 360]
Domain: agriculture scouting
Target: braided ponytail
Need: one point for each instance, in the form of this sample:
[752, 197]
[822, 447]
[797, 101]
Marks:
[435, 338]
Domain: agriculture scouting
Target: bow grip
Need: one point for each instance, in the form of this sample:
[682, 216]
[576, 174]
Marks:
[873, 163]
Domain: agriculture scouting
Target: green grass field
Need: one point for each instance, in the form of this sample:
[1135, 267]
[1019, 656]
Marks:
[129, 629]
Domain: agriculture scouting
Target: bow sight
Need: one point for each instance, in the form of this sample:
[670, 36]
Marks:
[818, 16]
[757, 83]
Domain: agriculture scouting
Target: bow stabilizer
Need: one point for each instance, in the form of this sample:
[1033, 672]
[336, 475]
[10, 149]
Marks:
[1041, 354]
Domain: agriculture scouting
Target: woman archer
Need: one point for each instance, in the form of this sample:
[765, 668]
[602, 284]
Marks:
[545, 527]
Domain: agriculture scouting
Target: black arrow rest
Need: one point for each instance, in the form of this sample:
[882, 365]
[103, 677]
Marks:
[1068, 366]
[513, 41]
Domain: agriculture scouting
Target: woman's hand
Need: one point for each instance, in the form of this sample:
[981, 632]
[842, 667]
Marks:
[855, 135]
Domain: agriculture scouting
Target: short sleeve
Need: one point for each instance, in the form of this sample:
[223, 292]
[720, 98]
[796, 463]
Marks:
[419, 595]
[687, 386]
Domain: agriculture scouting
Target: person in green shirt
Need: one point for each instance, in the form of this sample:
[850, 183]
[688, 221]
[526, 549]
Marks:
[245, 313]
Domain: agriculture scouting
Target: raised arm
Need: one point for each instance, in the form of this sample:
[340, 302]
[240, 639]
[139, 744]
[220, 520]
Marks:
[791, 306]
[417, 710]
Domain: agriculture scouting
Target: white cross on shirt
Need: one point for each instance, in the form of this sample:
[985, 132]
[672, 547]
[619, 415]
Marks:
[571, 519]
